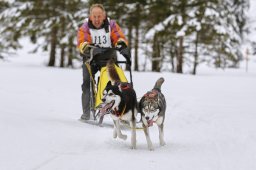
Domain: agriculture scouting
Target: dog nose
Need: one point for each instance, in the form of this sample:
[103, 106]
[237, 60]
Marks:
[147, 117]
[103, 100]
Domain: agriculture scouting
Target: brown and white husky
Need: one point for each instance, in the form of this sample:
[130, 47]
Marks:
[152, 107]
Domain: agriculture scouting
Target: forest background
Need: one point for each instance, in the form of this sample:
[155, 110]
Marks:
[164, 35]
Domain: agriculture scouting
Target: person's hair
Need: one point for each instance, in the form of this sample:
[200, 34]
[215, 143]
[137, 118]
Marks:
[99, 6]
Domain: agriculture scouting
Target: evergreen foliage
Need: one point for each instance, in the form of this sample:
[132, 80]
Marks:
[172, 34]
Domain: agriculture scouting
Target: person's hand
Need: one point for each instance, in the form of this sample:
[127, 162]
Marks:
[124, 50]
[127, 55]
[121, 45]
[83, 47]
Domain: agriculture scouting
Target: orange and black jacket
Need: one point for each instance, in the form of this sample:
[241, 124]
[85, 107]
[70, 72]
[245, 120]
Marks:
[116, 33]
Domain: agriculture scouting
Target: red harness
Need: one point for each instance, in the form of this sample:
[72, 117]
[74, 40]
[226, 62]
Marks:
[151, 94]
[119, 114]
[125, 86]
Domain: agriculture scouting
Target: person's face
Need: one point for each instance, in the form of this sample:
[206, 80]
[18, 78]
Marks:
[97, 17]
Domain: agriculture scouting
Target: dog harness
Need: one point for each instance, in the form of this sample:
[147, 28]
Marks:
[151, 94]
[119, 114]
[124, 85]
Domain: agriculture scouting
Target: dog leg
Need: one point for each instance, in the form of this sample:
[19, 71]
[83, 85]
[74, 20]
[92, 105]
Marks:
[161, 134]
[146, 131]
[118, 130]
[133, 130]
[114, 132]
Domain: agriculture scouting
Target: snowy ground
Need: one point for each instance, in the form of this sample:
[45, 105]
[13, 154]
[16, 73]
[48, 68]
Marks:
[210, 122]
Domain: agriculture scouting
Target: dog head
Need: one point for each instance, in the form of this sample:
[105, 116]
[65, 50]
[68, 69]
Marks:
[116, 97]
[111, 97]
[149, 107]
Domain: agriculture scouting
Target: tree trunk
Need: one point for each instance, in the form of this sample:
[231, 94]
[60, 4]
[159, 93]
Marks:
[130, 36]
[180, 56]
[156, 54]
[129, 39]
[137, 23]
[53, 46]
[196, 54]
[62, 45]
[62, 56]
[172, 55]
[218, 58]
[136, 47]
[70, 52]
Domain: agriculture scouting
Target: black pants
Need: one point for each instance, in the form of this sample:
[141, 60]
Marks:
[95, 66]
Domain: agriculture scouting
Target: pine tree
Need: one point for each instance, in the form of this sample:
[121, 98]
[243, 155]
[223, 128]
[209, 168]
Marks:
[54, 22]
[3, 39]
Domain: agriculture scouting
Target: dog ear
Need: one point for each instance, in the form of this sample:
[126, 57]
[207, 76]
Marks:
[120, 87]
[157, 99]
[104, 92]
[109, 83]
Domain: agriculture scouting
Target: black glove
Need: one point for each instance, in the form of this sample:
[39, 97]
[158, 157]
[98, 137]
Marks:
[124, 50]
[121, 45]
[127, 55]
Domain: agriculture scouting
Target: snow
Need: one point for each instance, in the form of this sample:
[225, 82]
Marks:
[210, 121]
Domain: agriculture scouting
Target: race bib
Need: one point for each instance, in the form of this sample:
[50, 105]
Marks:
[100, 37]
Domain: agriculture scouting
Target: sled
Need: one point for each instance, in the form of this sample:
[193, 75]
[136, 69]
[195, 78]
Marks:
[97, 88]
[103, 80]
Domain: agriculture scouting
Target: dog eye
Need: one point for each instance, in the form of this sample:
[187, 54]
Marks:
[145, 110]
[111, 94]
[153, 109]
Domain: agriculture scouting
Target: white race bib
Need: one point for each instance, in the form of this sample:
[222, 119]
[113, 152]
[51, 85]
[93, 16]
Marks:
[100, 37]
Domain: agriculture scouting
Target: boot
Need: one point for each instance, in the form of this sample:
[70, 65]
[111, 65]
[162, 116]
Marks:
[86, 107]
[85, 116]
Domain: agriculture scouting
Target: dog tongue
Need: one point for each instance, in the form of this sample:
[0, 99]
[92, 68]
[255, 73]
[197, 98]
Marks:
[150, 123]
[104, 108]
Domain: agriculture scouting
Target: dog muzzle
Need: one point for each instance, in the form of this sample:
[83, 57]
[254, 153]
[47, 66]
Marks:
[105, 108]
[152, 121]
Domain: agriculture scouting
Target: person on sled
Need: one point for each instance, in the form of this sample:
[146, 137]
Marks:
[100, 31]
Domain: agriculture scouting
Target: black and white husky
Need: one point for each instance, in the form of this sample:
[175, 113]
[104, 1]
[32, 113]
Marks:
[152, 107]
[119, 99]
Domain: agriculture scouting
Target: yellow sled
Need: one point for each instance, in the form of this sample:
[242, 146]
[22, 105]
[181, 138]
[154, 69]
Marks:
[104, 80]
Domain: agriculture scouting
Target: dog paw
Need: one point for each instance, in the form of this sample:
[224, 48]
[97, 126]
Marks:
[133, 147]
[151, 148]
[162, 143]
[124, 137]
[114, 134]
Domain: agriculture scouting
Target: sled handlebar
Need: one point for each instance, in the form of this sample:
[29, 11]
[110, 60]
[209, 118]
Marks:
[106, 48]
[93, 47]
[101, 49]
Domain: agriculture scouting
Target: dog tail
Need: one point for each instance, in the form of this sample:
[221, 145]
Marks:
[112, 73]
[159, 83]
